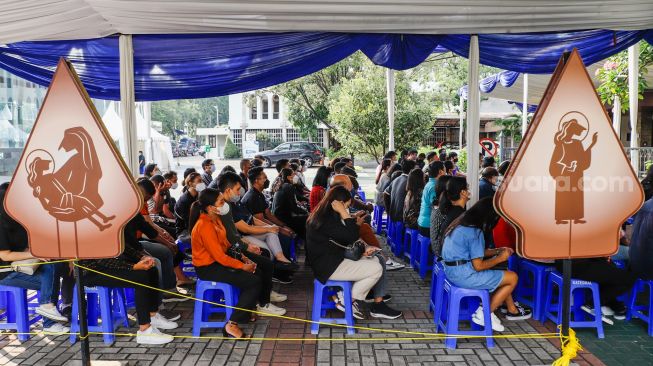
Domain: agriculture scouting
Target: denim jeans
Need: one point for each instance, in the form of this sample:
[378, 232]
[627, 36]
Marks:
[379, 290]
[622, 254]
[42, 280]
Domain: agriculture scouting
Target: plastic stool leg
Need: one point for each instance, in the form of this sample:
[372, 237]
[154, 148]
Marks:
[487, 314]
[106, 314]
[452, 320]
[597, 310]
[349, 312]
[198, 311]
[318, 290]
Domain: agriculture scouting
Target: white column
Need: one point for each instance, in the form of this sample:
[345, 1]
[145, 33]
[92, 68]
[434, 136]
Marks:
[616, 116]
[147, 115]
[633, 93]
[259, 107]
[243, 123]
[461, 112]
[524, 112]
[129, 147]
[325, 138]
[390, 84]
[473, 119]
[270, 106]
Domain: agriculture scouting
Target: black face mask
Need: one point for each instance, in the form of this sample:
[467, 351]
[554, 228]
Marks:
[266, 185]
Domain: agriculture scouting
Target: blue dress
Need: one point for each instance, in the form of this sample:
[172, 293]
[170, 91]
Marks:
[467, 243]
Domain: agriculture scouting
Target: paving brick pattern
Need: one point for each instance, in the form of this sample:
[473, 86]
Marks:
[410, 294]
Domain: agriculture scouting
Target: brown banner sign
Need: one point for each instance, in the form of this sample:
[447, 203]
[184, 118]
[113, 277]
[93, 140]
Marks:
[570, 186]
[71, 190]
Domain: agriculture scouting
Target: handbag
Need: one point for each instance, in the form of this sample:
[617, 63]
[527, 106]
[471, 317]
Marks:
[26, 266]
[354, 251]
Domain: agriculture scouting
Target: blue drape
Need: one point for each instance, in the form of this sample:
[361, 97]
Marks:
[486, 85]
[205, 65]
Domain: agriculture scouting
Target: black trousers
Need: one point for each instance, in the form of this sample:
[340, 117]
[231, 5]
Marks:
[147, 300]
[297, 224]
[254, 287]
[612, 281]
[424, 231]
[65, 281]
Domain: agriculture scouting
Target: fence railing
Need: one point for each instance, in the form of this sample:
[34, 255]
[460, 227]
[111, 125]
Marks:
[645, 156]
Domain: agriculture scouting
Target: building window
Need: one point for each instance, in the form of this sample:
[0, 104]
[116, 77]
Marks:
[253, 110]
[212, 139]
[8, 83]
[264, 101]
[293, 135]
[236, 136]
[320, 137]
[275, 107]
[2, 79]
[440, 134]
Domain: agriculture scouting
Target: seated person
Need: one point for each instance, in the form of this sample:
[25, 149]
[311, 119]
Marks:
[319, 188]
[257, 205]
[331, 222]
[285, 206]
[216, 260]
[192, 186]
[245, 166]
[396, 192]
[465, 264]
[265, 235]
[159, 205]
[358, 203]
[453, 195]
[301, 192]
[171, 180]
[135, 265]
[14, 247]
[488, 182]
[280, 165]
[612, 281]
[435, 171]
[641, 242]
[413, 200]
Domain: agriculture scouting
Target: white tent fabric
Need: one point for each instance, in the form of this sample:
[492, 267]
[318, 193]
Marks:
[77, 19]
[161, 148]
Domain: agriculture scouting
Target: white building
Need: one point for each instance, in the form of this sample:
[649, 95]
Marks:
[253, 112]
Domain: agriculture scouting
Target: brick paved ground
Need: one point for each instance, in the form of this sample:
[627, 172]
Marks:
[410, 295]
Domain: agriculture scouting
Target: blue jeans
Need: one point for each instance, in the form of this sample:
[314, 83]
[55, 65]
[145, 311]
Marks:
[622, 254]
[42, 280]
[168, 279]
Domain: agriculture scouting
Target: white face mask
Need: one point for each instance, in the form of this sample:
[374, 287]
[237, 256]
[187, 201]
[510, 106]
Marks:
[223, 210]
[295, 179]
[174, 185]
[200, 187]
[241, 192]
[212, 168]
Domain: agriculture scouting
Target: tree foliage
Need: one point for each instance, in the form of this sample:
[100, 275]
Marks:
[358, 111]
[231, 151]
[194, 113]
[613, 76]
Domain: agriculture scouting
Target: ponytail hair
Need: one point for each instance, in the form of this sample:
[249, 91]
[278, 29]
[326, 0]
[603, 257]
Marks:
[206, 198]
[455, 185]
[189, 178]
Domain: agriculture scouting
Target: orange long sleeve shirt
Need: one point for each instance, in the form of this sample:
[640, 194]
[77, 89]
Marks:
[210, 244]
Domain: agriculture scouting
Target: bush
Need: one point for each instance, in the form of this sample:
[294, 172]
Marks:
[231, 151]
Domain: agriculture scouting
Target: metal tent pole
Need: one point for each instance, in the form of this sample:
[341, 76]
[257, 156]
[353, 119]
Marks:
[473, 119]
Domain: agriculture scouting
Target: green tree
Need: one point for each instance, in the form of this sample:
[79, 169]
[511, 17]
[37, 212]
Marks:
[307, 97]
[358, 111]
[613, 76]
[231, 151]
[511, 126]
[194, 113]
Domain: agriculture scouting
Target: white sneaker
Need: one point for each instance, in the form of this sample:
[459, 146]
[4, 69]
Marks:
[152, 335]
[391, 265]
[271, 309]
[56, 329]
[160, 322]
[478, 319]
[277, 297]
[606, 310]
[50, 311]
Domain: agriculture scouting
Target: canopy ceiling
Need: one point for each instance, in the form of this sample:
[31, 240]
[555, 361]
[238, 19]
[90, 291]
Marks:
[33, 20]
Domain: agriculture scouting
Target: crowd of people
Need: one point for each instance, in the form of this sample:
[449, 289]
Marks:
[242, 229]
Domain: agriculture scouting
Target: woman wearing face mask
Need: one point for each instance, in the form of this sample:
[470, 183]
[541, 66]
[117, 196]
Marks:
[212, 263]
[488, 182]
[285, 206]
[331, 222]
[451, 204]
[193, 185]
[301, 191]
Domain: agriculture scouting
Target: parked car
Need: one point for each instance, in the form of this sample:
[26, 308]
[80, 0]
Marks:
[307, 151]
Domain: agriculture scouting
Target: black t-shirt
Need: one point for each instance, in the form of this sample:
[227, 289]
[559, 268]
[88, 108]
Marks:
[244, 182]
[182, 211]
[13, 237]
[255, 201]
[397, 191]
[135, 225]
[240, 212]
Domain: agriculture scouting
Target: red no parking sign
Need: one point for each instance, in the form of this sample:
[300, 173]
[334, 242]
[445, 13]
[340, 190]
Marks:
[490, 147]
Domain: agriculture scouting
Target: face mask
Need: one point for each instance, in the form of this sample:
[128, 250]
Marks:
[212, 168]
[223, 210]
[295, 179]
[156, 172]
[241, 192]
[235, 198]
[174, 185]
[266, 185]
[200, 187]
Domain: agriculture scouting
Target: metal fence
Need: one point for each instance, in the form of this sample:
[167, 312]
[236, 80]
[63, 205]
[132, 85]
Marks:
[645, 156]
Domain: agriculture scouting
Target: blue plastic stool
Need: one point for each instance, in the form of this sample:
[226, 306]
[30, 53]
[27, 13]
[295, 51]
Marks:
[208, 290]
[553, 309]
[130, 301]
[390, 231]
[410, 242]
[398, 239]
[437, 283]
[422, 258]
[513, 263]
[186, 264]
[322, 303]
[532, 285]
[361, 194]
[293, 248]
[645, 311]
[378, 223]
[451, 309]
[103, 303]
[16, 311]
